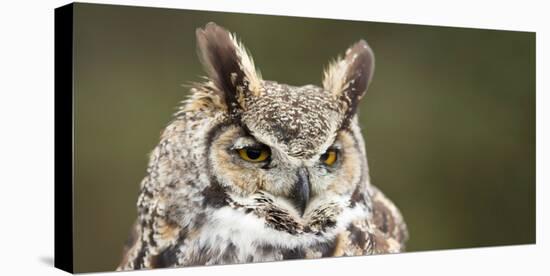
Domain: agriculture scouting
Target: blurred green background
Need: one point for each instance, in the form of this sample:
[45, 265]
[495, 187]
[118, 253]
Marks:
[449, 119]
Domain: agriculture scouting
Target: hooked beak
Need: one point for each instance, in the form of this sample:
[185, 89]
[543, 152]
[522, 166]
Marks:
[301, 191]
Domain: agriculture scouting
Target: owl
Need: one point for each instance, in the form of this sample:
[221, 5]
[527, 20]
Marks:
[251, 170]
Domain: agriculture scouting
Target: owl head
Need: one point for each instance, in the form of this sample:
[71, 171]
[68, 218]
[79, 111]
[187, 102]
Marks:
[293, 155]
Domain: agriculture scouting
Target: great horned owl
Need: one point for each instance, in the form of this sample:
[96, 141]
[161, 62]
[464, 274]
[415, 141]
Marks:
[251, 170]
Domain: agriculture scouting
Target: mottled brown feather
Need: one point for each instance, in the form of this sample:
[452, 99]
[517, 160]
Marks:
[130, 245]
[388, 222]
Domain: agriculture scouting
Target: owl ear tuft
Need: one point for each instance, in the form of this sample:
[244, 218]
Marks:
[348, 78]
[228, 65]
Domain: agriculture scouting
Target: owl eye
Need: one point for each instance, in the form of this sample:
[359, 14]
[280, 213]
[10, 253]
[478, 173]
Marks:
[329, 157]
[254, 154]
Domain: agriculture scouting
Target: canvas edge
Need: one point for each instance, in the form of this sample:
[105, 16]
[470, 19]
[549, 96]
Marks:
[63, 136]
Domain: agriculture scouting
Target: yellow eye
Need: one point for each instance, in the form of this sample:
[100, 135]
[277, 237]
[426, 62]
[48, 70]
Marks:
[329, 157]
[251, 154]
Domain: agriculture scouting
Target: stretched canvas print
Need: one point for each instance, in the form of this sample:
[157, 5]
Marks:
[177, 145]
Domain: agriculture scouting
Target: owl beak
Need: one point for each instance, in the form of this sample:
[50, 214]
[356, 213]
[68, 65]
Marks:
[301, 191]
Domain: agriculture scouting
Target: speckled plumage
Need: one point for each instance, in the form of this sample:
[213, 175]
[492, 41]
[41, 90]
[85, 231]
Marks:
[201, 204]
